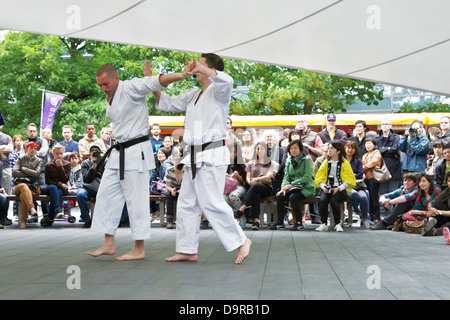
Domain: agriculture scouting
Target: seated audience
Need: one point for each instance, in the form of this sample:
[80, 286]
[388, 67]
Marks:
[91, 180]
[336, 178]
[26, 173]
[438, 213]
[359, 199]
[57, 173]
[236, 169]
[260, 172]
[398, 202]
[173, 178]
[297, 184]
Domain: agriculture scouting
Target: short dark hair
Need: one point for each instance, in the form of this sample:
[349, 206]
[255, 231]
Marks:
[298, 142]
[410, 176]
[108, 69]
[214, 61]
[362, 122]
[89, 124]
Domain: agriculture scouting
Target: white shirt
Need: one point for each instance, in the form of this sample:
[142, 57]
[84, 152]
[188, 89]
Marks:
[129, 116]
[206, 120]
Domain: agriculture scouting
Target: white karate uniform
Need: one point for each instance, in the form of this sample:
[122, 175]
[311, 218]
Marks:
[129, 116]
[205, 121]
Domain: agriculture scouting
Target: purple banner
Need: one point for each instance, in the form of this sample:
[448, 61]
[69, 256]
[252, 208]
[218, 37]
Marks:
[51, 104]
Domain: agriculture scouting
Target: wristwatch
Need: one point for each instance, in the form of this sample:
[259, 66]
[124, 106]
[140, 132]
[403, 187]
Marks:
[440, 212]
[389, 202]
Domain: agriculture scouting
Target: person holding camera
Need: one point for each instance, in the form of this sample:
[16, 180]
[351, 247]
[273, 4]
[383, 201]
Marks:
[414, 144]
[91, 181]
[336, 179]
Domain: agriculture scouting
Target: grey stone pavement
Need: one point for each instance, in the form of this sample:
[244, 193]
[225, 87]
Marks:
[357, 264]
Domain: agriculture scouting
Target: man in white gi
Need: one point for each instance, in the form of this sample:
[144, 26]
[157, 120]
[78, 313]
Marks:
[126, 175]
[205, 133]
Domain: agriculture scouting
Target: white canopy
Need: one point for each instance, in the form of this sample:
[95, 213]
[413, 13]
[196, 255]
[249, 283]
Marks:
[399, 42]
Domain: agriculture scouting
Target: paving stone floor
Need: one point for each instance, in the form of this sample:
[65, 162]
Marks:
[356, 264]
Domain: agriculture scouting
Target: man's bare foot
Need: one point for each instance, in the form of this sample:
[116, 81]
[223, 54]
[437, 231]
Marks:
[103, 250]
[183, 257]
[243, 251]
[132, 255]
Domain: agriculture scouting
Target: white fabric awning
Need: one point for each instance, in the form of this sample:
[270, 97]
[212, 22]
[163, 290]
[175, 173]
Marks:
[400, 42]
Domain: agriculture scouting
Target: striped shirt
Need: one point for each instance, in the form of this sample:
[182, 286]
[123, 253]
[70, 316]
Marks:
[410, 196]
[171, 178]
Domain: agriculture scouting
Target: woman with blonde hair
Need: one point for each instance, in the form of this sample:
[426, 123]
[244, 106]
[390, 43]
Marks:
[57, 174]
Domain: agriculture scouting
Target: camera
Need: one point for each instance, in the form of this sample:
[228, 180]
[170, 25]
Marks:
[98, 155]
[413, 131]
[330, 182]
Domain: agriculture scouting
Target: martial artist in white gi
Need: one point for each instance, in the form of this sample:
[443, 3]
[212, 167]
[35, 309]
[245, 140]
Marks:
[127, 182]
[205, 122]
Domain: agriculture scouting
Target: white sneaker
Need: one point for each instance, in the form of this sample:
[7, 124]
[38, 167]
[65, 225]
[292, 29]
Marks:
[155, 215]
[322, 227]
[338, 228]
[365, 224]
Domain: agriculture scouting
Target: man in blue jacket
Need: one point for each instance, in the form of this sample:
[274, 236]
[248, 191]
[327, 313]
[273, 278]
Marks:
[414, 144]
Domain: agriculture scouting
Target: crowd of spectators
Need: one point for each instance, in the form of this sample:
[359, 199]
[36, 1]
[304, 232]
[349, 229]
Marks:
[290, 165]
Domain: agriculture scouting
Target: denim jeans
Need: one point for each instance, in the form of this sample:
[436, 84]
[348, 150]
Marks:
[82, 198]
[4, 206]
[54, 192]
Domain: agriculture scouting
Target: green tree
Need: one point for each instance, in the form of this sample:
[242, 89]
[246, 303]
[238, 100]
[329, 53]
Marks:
[277, 90]
[31, 62]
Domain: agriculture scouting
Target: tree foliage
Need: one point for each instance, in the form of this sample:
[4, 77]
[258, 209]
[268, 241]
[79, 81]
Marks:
[32, 62]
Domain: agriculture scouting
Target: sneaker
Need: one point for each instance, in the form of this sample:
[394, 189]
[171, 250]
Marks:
[255, 226]
[87, 224]
[338, 228]
[322, 227]
[6, 222]
[365, 224]
[428, 230]
[298, 226]
[170, 224]
[277, 226]
[155, 215]
[380, 225]
[46, 222]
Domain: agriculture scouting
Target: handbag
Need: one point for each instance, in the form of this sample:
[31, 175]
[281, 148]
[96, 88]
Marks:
[92, 187]
[413, 223]
[294, 189]
[414, 226]
[382, 174]
[158, 188]
[231, 184]
[33, 184]
[360, 185]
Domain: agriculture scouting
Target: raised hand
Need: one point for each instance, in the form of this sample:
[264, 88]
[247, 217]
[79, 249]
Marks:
[148, 69]
[188, 68]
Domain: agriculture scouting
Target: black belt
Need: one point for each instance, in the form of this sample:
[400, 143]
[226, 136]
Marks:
[121, 146]
[194, 149]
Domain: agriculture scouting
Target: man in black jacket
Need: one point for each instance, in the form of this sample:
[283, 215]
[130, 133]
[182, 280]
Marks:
[91, 178]
[442, 168]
